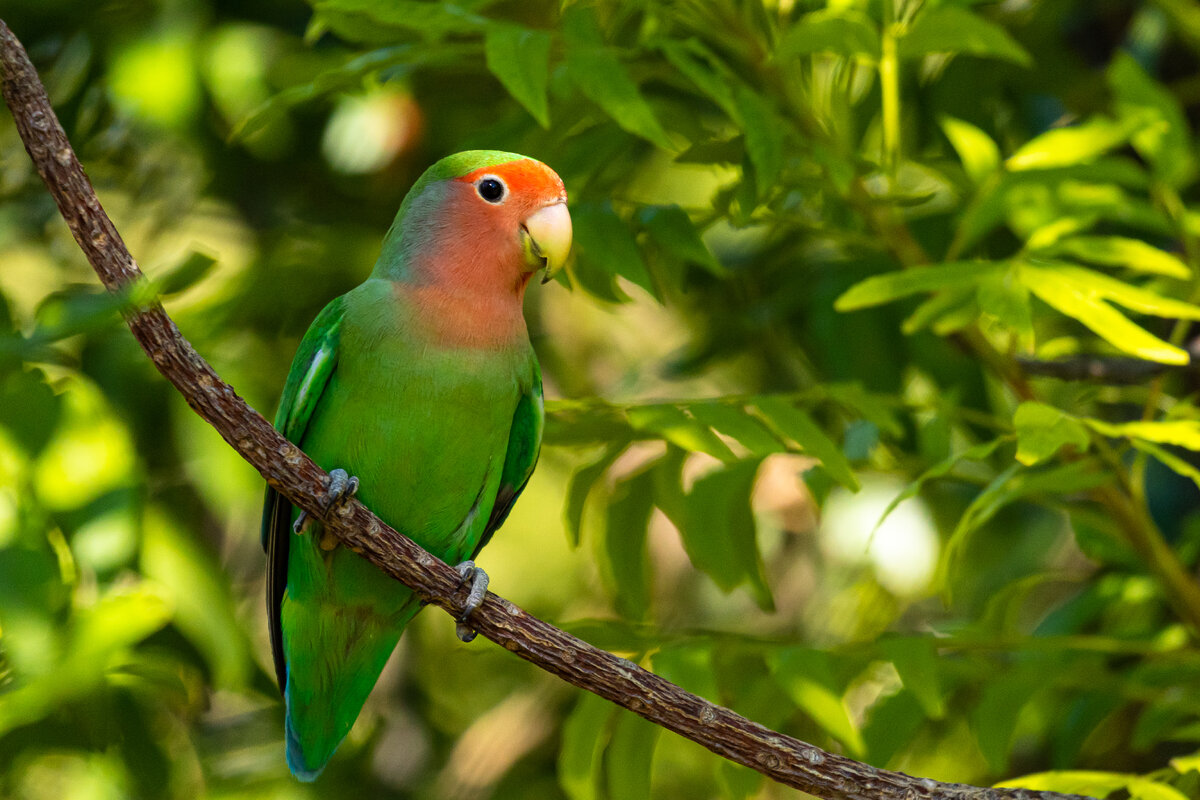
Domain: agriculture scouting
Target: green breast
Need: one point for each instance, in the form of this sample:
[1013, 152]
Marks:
[425, 428]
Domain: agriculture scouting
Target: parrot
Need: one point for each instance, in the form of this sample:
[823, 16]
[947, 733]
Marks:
[419, 391]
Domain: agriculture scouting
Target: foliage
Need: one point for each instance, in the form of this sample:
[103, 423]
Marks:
[815, 247]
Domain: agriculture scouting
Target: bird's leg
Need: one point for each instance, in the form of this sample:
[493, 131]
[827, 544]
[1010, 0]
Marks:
[479, 584]
[341, 486]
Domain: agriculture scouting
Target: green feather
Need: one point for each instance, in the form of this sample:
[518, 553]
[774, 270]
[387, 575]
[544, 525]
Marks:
[442, 439]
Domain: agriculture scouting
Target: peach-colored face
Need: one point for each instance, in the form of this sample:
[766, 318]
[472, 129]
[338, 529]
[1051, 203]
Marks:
[508, 221]
[493, 229]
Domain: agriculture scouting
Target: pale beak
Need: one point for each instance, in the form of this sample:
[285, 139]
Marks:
[546, 238]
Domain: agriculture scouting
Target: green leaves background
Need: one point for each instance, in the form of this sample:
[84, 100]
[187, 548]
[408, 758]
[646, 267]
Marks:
[819, 250]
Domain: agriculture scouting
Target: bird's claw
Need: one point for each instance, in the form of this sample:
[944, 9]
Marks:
[479, 585]
[341, 486]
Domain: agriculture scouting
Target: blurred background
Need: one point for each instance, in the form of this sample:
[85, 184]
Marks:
[723, 442]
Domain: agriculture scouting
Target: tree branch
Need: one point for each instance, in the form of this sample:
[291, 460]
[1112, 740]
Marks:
[287, 469]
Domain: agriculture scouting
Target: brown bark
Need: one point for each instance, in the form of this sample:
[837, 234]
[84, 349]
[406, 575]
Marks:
[779, 757]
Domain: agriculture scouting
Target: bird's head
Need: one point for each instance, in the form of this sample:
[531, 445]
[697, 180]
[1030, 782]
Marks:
[482, 215]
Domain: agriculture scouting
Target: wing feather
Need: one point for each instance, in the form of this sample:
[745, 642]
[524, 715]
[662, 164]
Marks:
[524, 445]
[311, 370]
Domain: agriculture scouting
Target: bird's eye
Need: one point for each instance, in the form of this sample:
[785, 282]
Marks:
[491, 189]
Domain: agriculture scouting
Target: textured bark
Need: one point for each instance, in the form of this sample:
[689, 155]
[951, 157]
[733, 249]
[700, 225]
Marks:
[779, 757]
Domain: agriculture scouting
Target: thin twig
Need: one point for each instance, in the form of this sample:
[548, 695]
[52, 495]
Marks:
[782, 758]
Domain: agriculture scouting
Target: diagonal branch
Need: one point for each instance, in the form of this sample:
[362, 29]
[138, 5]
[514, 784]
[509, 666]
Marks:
[782, 758]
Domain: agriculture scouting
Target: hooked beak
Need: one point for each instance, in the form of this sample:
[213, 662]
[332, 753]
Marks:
[546, 238]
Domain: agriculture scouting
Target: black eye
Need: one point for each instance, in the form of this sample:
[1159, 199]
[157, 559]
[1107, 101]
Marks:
[491, 189]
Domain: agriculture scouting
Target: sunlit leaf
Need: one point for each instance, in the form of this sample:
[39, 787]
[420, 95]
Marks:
[1119, 251]
[1084, 302]
[1182, 433]
[520, 59]
[1096, 784]
[1072, 145]
[980, 155]
[1043, 430]
[880, 289]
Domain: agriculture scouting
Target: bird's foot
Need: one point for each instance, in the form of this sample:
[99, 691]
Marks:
[479, 584]
[341, 486]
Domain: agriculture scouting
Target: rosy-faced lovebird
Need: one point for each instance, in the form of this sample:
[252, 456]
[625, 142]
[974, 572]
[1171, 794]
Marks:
[420, 383]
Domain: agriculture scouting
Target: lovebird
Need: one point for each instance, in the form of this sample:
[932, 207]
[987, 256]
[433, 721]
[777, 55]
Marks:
[420, 392]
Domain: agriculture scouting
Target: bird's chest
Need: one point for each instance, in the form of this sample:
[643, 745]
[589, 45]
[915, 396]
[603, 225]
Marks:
[424, 428]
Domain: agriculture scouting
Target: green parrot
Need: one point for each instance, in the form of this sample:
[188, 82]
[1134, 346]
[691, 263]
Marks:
[422, 384]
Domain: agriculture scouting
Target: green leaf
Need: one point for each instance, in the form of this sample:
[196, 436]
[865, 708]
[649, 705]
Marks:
[1165, 139]
[916, 663]
[843, 32]
[946, 304]
[520, 60]
[580, 487]
[980, 155]
[719, 531]
[703, 68]
[580, 755]
[187, 273]
[1062, 147]
[1119, 251]
[1096, 784]
[198, 589]
[979, 452]
[630, 756]
[1169, 460]
[738, 424]
[595, 69]
[953, 29]
[432, 20]
[1017, 483]
[603, 238]
[788, 420]
[1181, 433]
[880, 289]
[673, 424]
[764, 137]
[1043, 430]
[671, 228]
[1007, 299]
[997, 714]
[624, 558]
[803, 674]
[1069, 297]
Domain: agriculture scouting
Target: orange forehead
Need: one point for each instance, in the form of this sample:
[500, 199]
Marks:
[526, 177]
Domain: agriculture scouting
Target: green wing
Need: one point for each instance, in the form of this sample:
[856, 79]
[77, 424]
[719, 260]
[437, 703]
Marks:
[524, 445]
[312, 367]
